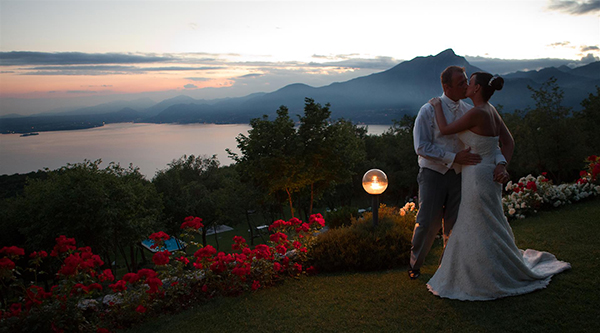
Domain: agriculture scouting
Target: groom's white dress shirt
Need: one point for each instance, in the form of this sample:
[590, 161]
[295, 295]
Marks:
[437, 151]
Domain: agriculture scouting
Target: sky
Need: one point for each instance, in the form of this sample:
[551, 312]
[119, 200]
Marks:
[56, 54]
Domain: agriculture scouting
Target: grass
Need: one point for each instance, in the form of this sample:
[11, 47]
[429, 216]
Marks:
[388, 301]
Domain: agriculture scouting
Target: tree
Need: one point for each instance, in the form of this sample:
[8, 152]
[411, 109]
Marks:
[108, 209]
[269, 156]
[193, 186]
[547, 137]
[589, 117]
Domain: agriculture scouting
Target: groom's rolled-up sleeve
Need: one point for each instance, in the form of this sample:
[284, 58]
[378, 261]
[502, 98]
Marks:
[423, 138]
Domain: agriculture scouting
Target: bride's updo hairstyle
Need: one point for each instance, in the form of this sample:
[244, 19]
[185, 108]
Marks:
[489, 83]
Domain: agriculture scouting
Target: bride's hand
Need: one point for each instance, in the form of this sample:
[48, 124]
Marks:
[435, 101]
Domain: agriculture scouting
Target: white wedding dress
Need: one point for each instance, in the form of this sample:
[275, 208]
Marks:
[481, 260]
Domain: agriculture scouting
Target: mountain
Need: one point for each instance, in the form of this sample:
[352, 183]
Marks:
[110, 107]
[387, 95]
[378, 98]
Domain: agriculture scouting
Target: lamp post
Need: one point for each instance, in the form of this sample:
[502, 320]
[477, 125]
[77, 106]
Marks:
[375, 182]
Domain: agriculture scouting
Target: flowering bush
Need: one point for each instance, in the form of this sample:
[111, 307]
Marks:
[360, 247]
[530, 194]
[87, 298]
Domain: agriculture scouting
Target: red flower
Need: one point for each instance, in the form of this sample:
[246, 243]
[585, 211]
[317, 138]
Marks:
[278, 237]
[198, 264]
[582, 173]
[192, 222]
[159, 236]
[317, 218]
[204, 288]
[141, 309]
[6, 263]
[238, 243]
[147, 273]
[544, 173]
[41, 254]
[153, 283]
[95, 286]
[131, 277]
[596, 170]
[161, 258]
[277, 267]
[311, 270]
[262, 251]
[13, 250]
[582, 181]
[298, 267]
[304, 227]
[183, 259]
[63, 244]
[255, 285]
[532, 186]
[106, 275]
[279, 224]
[102, 330]
[118, 286]
[297, 244]
[281, 249]
[15, 310]
[205, 252]
[593, 158]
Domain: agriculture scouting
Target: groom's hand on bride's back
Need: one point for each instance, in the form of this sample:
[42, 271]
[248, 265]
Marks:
[465, 157]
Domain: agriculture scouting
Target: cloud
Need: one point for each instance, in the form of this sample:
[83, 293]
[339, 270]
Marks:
[589, 58]
[561, 44]
[382, 63]
[79, 92]
[198, 79]
[17, 58]
[250, 76]
[575, 7]
[190, 86]
[109, 70]
[590, 48]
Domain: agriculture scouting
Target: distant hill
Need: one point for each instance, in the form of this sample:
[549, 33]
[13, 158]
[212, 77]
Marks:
[378, 98]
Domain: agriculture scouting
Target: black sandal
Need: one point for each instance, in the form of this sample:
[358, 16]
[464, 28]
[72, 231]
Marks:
[414, 274]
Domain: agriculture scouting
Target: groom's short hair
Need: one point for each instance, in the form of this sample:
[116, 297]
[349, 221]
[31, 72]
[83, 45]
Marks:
[447, 74]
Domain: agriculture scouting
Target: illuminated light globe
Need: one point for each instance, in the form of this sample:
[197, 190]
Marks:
[375, 181]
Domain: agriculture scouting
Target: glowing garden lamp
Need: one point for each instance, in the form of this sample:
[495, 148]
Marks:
[375, 182]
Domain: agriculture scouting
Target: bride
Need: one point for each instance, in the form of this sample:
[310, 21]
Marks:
[481, 260]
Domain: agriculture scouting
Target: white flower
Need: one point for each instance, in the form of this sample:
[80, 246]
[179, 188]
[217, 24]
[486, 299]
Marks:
[511, 211]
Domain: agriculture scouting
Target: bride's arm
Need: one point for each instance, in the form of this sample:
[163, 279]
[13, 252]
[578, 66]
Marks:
[467, 121]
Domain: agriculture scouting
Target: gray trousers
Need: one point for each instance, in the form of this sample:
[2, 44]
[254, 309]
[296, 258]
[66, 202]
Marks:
[439, 199]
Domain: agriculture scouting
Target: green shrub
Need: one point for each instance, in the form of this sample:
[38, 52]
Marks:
[341, 217]
[360, 247]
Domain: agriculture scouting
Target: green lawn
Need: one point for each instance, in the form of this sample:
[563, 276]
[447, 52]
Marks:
[388, 301]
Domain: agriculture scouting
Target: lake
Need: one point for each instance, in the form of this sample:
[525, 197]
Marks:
[148, 146]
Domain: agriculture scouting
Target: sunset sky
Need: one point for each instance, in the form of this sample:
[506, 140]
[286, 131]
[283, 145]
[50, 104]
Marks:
[69, 53]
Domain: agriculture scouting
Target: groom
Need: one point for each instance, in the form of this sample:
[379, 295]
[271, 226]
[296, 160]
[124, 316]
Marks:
[441, 158]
